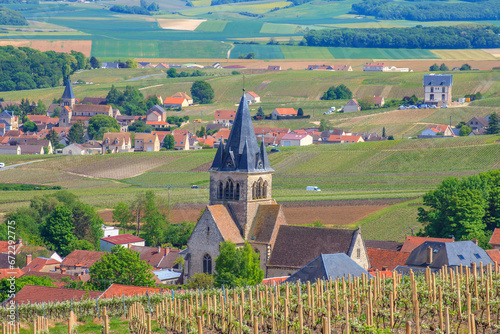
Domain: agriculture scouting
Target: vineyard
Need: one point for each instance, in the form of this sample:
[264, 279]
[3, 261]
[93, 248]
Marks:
[451, 300]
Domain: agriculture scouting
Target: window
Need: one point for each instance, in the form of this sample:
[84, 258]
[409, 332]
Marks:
[221, 190]
[443, 97]
[358, 253]
[207, 264]
[432, 97]
[461, 257]
[477, 256]
[432, 89]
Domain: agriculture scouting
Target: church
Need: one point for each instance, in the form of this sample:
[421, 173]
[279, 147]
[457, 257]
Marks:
[241, 209]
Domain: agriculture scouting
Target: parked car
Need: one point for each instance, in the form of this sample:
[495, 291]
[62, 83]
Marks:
[402, 107]
[327, 112]
[274, 150]
[194, 186]
[312, 188]
[444, 106]
[433, 106]
[413, 107]
[2, 165]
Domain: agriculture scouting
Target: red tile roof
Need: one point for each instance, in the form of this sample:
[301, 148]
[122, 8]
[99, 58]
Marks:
[253, 94]
[494, 254]
[264, 130]
[495, 237]
[6, 273]
[30, 294]
[82, 258]
[39, 263]
[378, 99]
[294, 136]
[157, 123]
[286, 111]
[274, 280]
[4, 247]
[225, 223]
[122, 239]
[344, 138]
[383, 259]
[174, 100]
[225, 114]
[118, 290]
[413, 242]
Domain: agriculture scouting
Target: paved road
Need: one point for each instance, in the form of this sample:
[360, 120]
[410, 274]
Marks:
[14, 166]
[146, 76]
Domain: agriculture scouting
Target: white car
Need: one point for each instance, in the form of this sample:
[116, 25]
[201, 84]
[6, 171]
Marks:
[2, 165]
[444, 106]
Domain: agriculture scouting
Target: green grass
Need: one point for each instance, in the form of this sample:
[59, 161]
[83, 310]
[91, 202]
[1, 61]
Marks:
[273, 28]
[260, 51]
[193, 49]
[304, 52]
[377, 53]
[121, 48]
[212, 26]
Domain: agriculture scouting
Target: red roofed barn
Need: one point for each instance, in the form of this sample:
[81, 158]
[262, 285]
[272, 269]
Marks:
[125, 240]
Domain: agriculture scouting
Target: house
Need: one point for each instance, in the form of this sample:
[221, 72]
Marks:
[161, 135]
[32, 149]
[142, 64]
[6, 104]
[147, 142]
[181, 141]
[274, 68]
[168, 277]
[494, 254]
[32, 294]
[110, 231]
[283, 112]
[294, 139]
[343, 139]
[43, 121]
[296, 246]
[437, 89]
[378, 101]
[175, 102]
[328, 266]
[259, 131]
[478, 123]
[10, 150]
[156, 114]
[383, 259]
[125, 240]
[41, 264]
[383, 244]
[224, 117]
[217, 65]
[162, 65]
[110, 65]
[346, 68]
[241, 207]
[182, 95]
[412, 242]
[30, 141]
[116, 142]
[10, 120]
[375, 67]
[495, 239]
[158, 257]
[157, 125]
[252, 97]
[329, 68]
[79, 261]
[451, 254]
[351, 106]
[437, 130]
[120, 290]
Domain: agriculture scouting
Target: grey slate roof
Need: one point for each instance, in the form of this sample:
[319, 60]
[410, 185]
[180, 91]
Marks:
[328, 265]
[438, 80]
[242, 153]
[157, 108]
[448, 253]
[68, 91]
[6, 113]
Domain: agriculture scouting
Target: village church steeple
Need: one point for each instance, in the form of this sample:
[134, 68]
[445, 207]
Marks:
[68, 97]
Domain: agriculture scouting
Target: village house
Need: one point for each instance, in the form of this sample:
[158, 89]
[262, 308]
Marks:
[116, 142]
[343, 139]
[495, 239]
[224, 117]
[94, 100]
[274, 68]
[124, 240]
[10, 150]
[378, 101]
[181, 141]
[329, 68]
[478, 123]
[43, 121]
[9, 120]
[32, 149]
[375, 67]
[437, 130]
[412, 242]
[23, 141]
[6, 104]
[252, 97]
[142, 64]
[41, 264]
[146, 142]
[182, 95]
[437, 89]
[294, 139]
[283, 112]
[156, 114]
[175, 102]
[78, 262]
[351, 106]
[158, 257]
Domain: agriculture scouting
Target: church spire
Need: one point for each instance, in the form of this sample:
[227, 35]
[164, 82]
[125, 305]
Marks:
[68, 91]
[242, 152]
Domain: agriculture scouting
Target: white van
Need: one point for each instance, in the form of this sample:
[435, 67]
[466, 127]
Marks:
[312, 188]
[2, 165]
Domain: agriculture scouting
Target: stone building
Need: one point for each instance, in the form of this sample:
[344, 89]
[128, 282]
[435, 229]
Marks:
[241, 207]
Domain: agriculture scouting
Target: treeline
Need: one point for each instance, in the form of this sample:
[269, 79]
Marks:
[131, 101]
[429, 11]
[130, 10]
[26, 68]
[7, 2]
[456, 37]
[11, 17]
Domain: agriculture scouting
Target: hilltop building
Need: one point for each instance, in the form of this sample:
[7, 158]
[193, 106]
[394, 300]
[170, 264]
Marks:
[437, 89]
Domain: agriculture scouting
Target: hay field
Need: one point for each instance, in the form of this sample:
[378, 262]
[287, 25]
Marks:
[83, 46]
[494, 52]
[179, 24]
[469, 54]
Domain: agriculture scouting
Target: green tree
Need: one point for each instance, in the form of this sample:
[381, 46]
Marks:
[30, 126]
[80, 245]
[202, 132]
[343, 93]
[94, 62]
[76, 133]
[53, 137]
[123, 215]
[443, 67]
[465, 67]
[154, 222]
[465, 131]
[202, 92]
[493, 124]
[200, 281]
[114, 96]
[300, 112]
[20, 282]
[366, 103]
[169, 142]
[172, 73]
[40, 108]
[237, 266]
[434, 67]
[250, 55]
[383, 132]
[101, 124]
[260, 113]
[121, 266]
[131, 63]
[87, 223]
[323, 125]
[58, 230]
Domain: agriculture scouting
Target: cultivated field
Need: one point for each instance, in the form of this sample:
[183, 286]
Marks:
[82, 46]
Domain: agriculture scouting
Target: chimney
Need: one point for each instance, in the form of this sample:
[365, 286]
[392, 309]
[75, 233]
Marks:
[28, 259]
[159, 249]
[429, 255]
[63, 270]
[475, 241]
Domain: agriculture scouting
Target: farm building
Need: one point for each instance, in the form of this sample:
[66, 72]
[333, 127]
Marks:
[225, 117]
[437, 89]
[124, 240]
[252, 97]
[437, 130]
[478, 123]
[351, 106]
[343, 139]
[295, 139]
[175, 102]
[283, 112]
[188, 98]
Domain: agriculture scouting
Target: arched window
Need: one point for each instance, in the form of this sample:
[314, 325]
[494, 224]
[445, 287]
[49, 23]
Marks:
[207, 264]
[264, 190]
[231, 190]
[259, 188]
[237, 192]
[226, 191]
[254, 190]
[220, 192]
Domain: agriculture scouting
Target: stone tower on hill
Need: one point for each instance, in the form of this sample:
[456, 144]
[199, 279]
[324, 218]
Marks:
[68, 97]
[241, 208]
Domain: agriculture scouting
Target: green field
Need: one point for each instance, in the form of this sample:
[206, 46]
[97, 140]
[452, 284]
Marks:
[212, 26]
[376, 53]
[304, 52]
[260, 51]
[120, 48]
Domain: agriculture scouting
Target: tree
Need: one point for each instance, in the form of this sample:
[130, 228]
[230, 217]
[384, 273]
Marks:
[250, 55]
[465, 131]
[121, 266]
[465, 67]
[123, 215]
[323, 125]
[172, 73]
[19, 283]
[366, 103]
[131, 63]
[169, 142]
[76, 133]
[493, 124]
[337, 93]
[202, 92]
[94, 62]
[202, 132]
[237, 266]
[154, 222]
[300, 112]
[434, 67]
[100, 124]
[200, 281]
[383, 132]
[260, 113]
[443, 67]
[30, 127]
[53, 137]
[87, 223]
[80, 245]
[58, 230]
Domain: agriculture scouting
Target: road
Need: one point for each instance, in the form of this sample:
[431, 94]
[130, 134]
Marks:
[17, 165]
[146, 76]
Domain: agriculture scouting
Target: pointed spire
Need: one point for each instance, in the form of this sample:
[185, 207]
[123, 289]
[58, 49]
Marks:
[263, 154]
[68, 91]
[218, 156]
